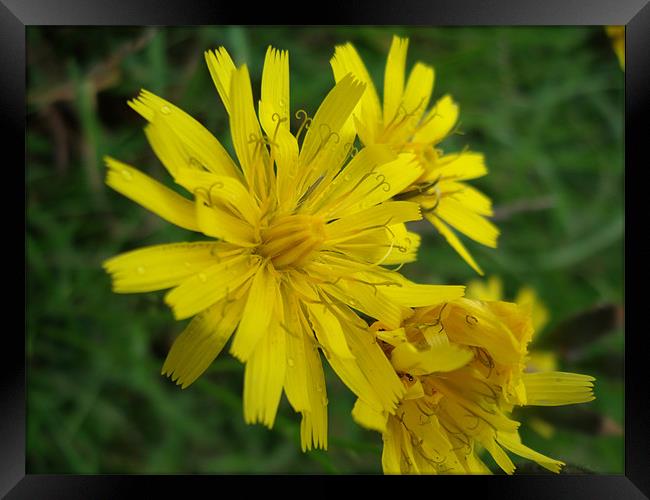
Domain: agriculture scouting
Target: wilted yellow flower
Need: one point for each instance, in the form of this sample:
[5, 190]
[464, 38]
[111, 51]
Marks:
[404, 123]
[617, 36]
[296, 235]
[537, 360]
[462, 366]
[492, 290]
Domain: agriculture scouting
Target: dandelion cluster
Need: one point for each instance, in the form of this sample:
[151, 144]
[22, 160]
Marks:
[303, 234]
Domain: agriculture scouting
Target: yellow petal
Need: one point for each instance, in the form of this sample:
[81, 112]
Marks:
[392, 337]
[500, 457]
[350, 374]
[296, 379]
[368, 111]
[385, 246]
[329, 331]
[475, 465]
[152, 195]
[495, 289]
[415, 101]
[201, 342]
[275, 86]
[383, 215]
[344, 364]
[365, 132]
[183, 134]
[246, 134]
[407, 358]
[392, 451]
[473, 323]
[159, 266]
[368, 417]
[264, 377]
[313, 427]
[541, 427]
[467, 196]
[168, 148]
[227, 190]
[459, 166]
[415, 391]
[453, 241]
[558, 388]
[415, 295]
[216, 221]
[275, 116]
[332, 114]
[338, 191]
[468, 222]
[209, 286]
[438, 122]
[373, 363]
[412, 463]
[316, 178]
[512, 442]
[617, 36]
[492, 290]
[368, 299]
[257, 314]
[221, 68]
[476, 417]
[528, 297]
[394, 77]
[517, 319]
[542, 361]
[384, 182]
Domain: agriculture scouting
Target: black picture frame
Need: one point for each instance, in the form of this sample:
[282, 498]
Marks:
[15, 15]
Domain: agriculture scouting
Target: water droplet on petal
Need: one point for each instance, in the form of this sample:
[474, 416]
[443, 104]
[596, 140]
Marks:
[165, 110]
[291, 362]
[140, 270]
[203, 278]
[319, 389]
[127, 175]
[324, 401]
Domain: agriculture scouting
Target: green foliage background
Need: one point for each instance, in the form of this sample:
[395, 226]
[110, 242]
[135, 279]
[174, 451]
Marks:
[545, 105]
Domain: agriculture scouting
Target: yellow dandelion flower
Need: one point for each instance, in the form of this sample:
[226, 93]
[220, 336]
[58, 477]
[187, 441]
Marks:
[405, 124]
[297, 233]
[462, 366]
[617, 37]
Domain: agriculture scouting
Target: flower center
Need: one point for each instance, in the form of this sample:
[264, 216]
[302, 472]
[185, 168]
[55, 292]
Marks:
[291, 240]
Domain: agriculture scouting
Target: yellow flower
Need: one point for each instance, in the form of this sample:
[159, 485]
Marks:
[405, 125]
[462, 366]
[617, 36]
[296, 239]
[489, 290]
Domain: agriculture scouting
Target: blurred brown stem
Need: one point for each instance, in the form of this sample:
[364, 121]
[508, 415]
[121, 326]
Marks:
[101, 76]
[530, 205]
[59, 133]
